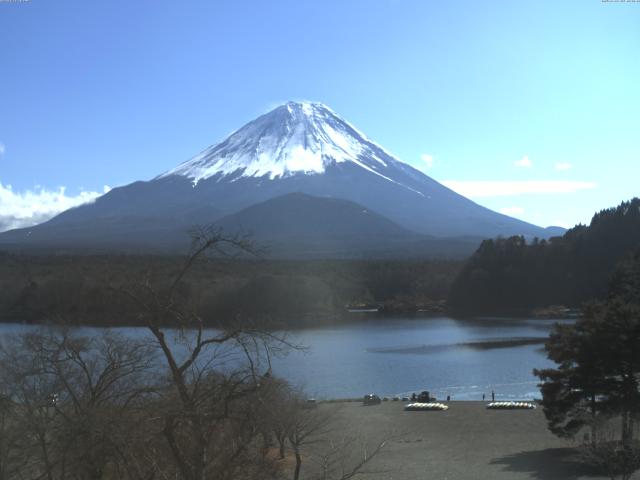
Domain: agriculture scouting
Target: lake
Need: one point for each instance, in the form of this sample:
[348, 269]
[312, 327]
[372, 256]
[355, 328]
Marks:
[400, 355]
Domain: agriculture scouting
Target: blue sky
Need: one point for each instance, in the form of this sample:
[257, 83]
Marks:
[530, 108]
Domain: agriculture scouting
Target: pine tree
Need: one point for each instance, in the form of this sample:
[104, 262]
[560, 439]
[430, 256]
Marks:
[598, 363]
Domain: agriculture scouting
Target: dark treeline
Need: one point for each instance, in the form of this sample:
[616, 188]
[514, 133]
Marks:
[510, 275]
[83, 289]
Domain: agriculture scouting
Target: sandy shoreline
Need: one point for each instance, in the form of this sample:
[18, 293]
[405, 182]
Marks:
[465, 442]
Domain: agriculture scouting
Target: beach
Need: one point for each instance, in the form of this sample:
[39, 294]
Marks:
[467, 441]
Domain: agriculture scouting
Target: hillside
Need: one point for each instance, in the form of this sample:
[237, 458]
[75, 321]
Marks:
[297, 225]
[512, 275]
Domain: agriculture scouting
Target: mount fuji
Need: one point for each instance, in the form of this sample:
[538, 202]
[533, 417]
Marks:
[272, 165]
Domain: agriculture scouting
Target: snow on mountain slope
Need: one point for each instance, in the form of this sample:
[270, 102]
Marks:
[295, 138]
[297, 148]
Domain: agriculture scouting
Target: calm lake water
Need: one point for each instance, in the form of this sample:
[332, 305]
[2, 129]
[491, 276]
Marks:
[397, 356]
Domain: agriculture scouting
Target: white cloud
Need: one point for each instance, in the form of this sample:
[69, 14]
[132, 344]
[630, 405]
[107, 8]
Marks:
[562, 166]
[504, 188]
[23, 209]
[512, 210]
[524, 162]
[3, 148]
[427, 159]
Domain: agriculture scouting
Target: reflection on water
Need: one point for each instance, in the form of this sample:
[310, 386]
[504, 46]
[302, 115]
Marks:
[478, 345]
[397, 356]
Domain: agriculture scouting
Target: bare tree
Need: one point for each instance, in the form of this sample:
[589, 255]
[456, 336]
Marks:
[100, 407]
[12, 459]
[306, 427]
[215, 375]
[346, 457]
[74, 398]
[319, 435]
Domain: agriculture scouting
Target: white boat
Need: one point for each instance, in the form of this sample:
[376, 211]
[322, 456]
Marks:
[431, 406]
[510, 405]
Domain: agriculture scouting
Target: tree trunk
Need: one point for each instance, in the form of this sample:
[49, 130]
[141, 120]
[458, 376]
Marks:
[626, 433]
[296, 472]
[594, 426]
[200, 459]
[45, 455]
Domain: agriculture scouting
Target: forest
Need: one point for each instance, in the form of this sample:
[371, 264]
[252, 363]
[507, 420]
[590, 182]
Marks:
[515, 276]
[74, 289]
[505, 276]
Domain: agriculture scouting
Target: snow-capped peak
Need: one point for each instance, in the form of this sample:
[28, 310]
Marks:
[294, 138]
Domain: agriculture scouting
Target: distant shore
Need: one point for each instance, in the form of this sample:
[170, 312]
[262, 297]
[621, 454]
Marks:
[310, 321]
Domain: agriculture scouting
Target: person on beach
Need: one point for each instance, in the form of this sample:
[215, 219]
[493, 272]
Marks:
[483, 397]
[493, 396]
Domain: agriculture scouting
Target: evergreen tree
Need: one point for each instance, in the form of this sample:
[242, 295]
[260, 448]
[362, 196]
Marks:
[515, 276]
[598, 372]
